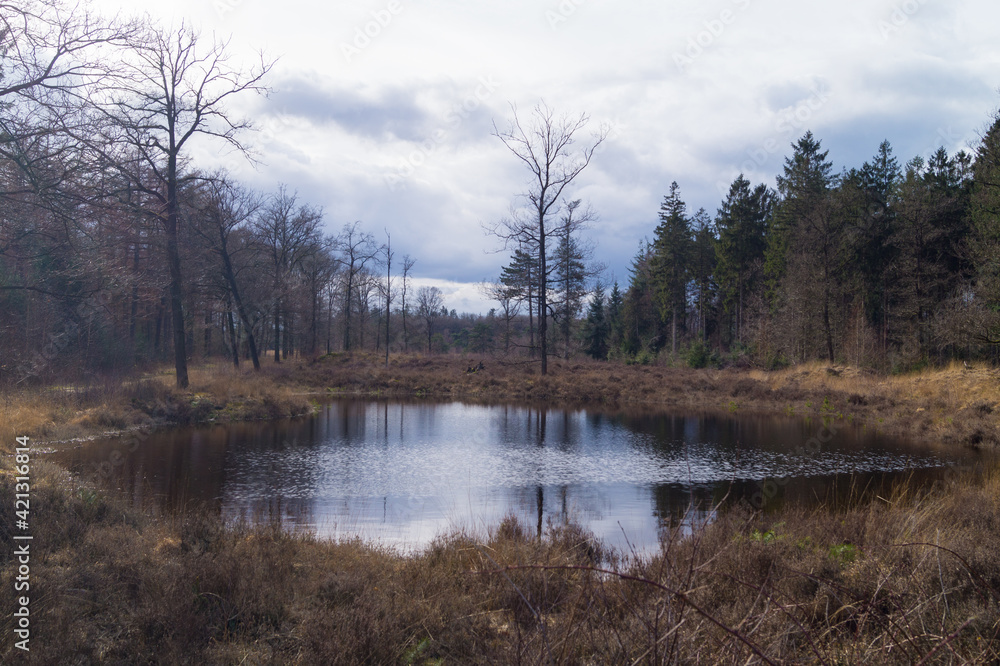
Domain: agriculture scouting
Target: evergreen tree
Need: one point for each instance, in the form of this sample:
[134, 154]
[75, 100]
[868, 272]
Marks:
[804, 250]
[929, 264]
[742, 230]
[703, 268]
[598, 327]
[521, 275]
[614, 317]
[985, 218]
[640, 320]
[869, 199]
[670, 262]
[568, 279]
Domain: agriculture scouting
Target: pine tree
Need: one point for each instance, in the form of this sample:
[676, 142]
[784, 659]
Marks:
[985, 217]
[742, 229]
[869, 199]
[804, 248]
[671, 262]
[929, 265]
[614, 318]
[703, 268]
[639, 316]
[570, 273]
[521, 274]
[598, 326]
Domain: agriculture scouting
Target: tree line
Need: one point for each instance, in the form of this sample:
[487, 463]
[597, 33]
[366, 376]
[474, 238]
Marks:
[885, 266]
[117, 250]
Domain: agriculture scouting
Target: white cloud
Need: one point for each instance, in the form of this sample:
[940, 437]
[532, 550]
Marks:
[761, 72]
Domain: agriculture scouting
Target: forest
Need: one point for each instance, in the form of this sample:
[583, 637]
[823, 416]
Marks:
[881, 266]
[117, 251]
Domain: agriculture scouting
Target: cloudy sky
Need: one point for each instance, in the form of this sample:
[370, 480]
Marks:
[382, 110]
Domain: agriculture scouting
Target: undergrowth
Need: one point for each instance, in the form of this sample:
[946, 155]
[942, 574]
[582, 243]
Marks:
[911, 578]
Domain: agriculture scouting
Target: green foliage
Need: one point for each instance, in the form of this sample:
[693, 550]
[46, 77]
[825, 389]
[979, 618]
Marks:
[670, 261]
[412, 655]
[768, 536]
[845, 553]
[742, 228]
[763, 537]
[597, 329]
[644, 357]
[776, 362]
[699, 355]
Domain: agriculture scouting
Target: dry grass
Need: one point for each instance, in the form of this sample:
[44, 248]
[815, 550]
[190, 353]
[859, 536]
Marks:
[217, 393]
[915, 577]
[956, 405]
[952, 405]
[893, 582]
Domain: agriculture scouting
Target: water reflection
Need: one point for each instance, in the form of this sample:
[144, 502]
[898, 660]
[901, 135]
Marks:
[404, 473]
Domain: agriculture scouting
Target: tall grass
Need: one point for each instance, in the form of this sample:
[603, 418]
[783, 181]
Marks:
[110, 405]
[954, 405]
[910, 578]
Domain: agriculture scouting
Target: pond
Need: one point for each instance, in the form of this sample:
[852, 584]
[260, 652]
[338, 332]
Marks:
[402, 473]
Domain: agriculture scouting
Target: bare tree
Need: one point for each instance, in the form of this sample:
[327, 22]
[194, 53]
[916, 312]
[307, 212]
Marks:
[168, 89]
[318, 270]
[357, 249]
[54, 54]
[429, 304]
[291, 232]
[509, 299]
[545, 146]
[387, 292]
[229, 208]
[408, 263]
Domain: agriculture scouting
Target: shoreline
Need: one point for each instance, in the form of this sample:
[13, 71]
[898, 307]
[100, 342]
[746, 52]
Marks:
[891, 580]
[951, 406]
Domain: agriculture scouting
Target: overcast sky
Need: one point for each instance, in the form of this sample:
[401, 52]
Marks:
[382, 111]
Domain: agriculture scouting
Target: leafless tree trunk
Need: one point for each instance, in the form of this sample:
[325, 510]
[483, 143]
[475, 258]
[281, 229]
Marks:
[545, 147]
[168, 88]
[388, 291]
[429, 304]
[408, 264]
[229, 208]
[357, 249]
[291, 233]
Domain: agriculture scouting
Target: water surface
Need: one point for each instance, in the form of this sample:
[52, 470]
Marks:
[403, 473]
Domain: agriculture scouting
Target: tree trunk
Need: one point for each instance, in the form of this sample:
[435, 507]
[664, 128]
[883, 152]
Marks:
[208, 333]
[174, 265]
[233, 339]
[134, 310]
[673, 331]
[542, 305]
[234, 289]
[277, 331]
[286, 343]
